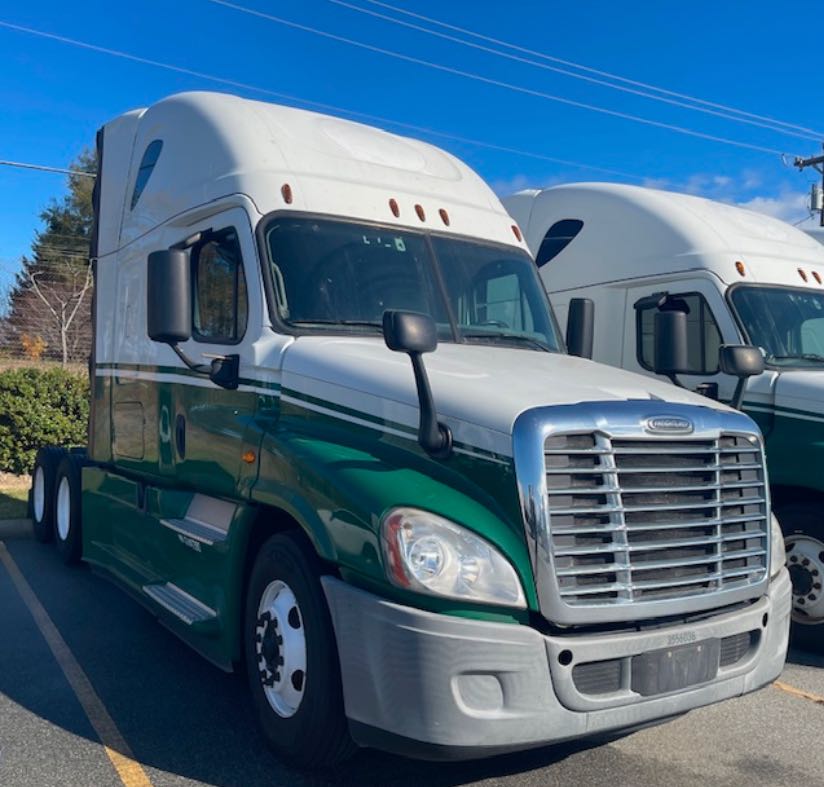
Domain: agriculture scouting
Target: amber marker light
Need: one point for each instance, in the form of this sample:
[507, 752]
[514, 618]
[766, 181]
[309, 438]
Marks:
[444, 216]
[249, 457]
[802, 274]
[739, 266]
[419, 210]
[817, 277]
[286, 192]
[516, 232]
[393, 206]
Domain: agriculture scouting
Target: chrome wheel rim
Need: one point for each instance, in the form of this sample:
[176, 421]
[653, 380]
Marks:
[63, 511]
[39, 494]
[280, 646]
[805, 561]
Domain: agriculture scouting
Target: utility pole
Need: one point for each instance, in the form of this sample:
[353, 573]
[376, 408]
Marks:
[817, 163]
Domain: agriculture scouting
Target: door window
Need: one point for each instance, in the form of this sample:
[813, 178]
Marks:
[703, 335]
[219, 300]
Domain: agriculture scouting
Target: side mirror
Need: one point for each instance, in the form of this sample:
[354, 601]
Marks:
[580, 327]
[741, 361]
[415, 334]
[169, 297]
[670, 344]
[409, 332]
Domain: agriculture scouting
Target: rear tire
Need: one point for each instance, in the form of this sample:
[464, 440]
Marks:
[41, 497]
[803, 526]
[292, 657]
[67, 508]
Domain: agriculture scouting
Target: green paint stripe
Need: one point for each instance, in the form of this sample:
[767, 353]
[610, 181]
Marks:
[324, 403]
[788, 412]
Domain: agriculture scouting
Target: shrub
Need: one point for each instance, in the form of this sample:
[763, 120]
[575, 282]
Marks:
[40, 407]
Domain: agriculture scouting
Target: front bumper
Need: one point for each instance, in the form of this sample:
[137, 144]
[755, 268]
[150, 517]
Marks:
[438, 686]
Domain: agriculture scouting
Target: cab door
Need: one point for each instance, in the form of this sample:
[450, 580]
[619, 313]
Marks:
[709, 325]
[203, 439]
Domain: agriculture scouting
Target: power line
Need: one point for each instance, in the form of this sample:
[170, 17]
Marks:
[604, 83]
[588, 69]
[307, 102]
[44, 168]
[496, 82]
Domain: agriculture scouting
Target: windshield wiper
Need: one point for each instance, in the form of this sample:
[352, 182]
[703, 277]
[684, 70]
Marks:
[801, 356]
[356, 323]
[508, 337]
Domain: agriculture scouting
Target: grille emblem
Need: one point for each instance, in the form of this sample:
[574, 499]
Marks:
[668, 424]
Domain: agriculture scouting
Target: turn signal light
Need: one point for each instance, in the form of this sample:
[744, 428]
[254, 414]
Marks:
[249, 457]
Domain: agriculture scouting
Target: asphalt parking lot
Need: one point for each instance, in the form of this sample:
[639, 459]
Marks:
[186, 723]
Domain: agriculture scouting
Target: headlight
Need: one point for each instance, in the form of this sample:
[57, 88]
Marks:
[778, 557]
[429, 554]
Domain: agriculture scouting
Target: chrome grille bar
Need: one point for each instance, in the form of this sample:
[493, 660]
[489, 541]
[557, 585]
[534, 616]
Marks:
[625, 515]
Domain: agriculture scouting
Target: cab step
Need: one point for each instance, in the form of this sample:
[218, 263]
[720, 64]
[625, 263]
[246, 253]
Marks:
[182, 605]
[207, 520]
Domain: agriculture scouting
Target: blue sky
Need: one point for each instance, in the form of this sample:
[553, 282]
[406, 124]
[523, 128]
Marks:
[745, 55]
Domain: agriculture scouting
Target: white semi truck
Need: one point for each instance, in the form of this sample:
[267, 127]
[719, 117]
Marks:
[497, 548]
[738, 277]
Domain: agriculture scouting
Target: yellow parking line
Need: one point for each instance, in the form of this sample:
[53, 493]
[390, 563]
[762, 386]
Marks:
[807, 695]
[130, 771]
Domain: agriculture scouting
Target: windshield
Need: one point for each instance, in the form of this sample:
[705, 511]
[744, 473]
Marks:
[342, 276]
[786, 323]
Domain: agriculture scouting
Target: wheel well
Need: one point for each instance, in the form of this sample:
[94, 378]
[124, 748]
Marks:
[785, 495]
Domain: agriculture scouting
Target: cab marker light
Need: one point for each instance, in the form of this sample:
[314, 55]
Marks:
[444, 216]
[393, 206]
[739, 266]
[517, 232]
[419, 210]
[802, 274]
[286, 192]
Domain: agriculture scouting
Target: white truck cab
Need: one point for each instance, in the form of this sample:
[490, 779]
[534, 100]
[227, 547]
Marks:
[740, 277]
[336, 441]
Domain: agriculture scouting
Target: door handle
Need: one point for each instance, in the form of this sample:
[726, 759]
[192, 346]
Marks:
[180, 436]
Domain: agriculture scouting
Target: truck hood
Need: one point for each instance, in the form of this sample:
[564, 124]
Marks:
[478, 390]
[800, 390]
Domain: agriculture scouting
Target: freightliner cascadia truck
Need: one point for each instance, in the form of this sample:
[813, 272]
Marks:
[739, 277]
[336, 440]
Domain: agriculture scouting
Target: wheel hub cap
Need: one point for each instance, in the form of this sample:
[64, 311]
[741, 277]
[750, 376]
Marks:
[805, 559]
[280, 645]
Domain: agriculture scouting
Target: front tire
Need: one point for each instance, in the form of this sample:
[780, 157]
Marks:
[803, 526]
[41, 497]
[291, 657]
[67, 511]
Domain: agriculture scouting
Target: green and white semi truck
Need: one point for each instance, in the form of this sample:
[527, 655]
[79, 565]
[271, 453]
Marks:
[740, 277]
[336, 438]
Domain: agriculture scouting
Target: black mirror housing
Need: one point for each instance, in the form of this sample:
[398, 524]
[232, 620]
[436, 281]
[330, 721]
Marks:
[409, 332]
[740, 360]
[670, 337]
[169, 296]
[580, 330]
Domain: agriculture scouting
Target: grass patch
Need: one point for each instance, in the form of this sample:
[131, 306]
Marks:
[14, 495]
[13, 503]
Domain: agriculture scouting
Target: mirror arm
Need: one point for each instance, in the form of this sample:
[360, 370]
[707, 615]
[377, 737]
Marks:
[434, 437]
[673, 378]
[200, 368]
[738, 396]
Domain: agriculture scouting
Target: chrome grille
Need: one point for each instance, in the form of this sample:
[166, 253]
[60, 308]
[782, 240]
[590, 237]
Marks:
[641, 519]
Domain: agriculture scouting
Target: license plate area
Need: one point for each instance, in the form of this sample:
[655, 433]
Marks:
[672, 669]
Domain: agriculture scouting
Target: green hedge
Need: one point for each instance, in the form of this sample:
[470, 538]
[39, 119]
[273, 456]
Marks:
[40, 407]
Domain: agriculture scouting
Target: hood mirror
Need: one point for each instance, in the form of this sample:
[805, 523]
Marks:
[414, 334]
